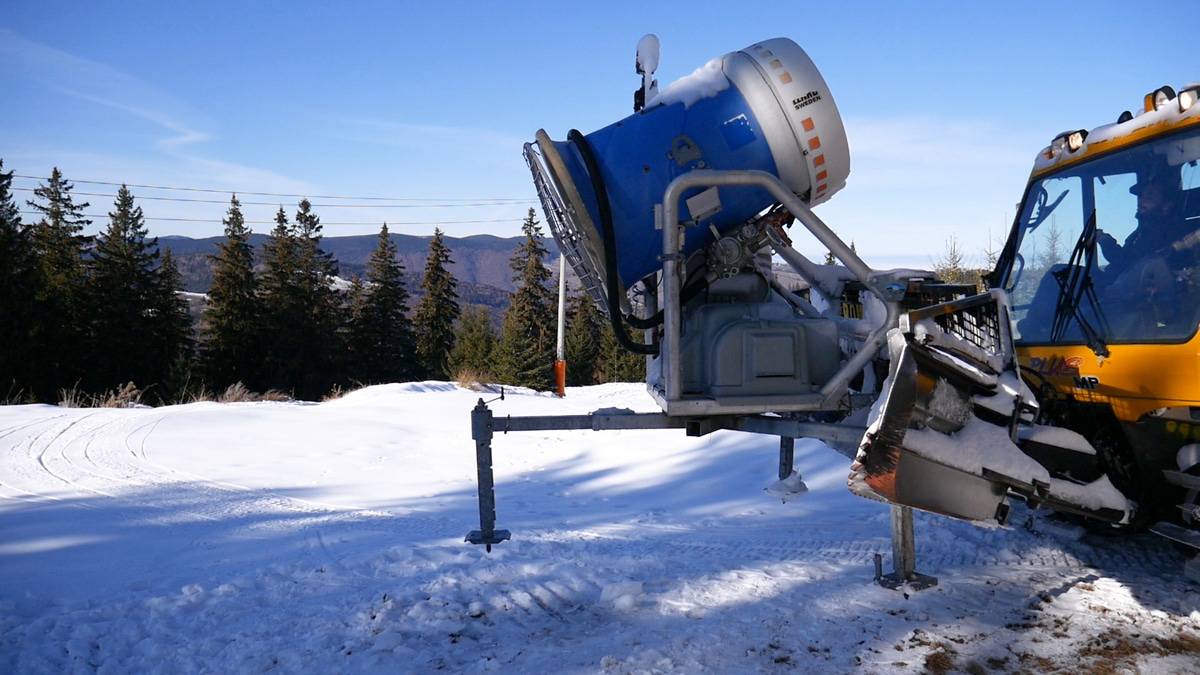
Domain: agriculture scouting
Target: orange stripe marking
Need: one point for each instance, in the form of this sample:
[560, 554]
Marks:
[807, 124]
[814, 142]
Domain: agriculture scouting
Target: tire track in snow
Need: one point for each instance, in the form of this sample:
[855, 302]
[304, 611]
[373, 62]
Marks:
[8, 455]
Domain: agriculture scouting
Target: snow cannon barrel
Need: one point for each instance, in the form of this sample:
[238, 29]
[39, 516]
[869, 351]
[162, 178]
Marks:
[765, 107]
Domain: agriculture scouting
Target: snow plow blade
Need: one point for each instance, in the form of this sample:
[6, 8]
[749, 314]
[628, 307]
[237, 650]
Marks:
[954, 432]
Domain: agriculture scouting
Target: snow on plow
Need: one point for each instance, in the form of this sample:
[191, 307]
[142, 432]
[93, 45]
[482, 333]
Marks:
[954, 432]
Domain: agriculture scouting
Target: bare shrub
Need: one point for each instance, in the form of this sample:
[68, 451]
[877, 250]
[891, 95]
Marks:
[275, 395]
[121, 397]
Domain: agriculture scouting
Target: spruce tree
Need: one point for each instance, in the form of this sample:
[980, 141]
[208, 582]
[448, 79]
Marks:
[433, 322]
[232, 319]
[583, 340]
[173, 340]
[281, 309]
[58, 328]
[319, 342]
[526, 353]
[474, 344]
[617, 364]
[16, 294]
[382, 345]
[302, 310]
[122, 281]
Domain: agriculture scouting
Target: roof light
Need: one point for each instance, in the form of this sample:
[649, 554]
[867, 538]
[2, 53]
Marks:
[1124, 117]
[1075, 139]
[1187, 97]
[1158, 98]
[1067, 140]
[1059, 144]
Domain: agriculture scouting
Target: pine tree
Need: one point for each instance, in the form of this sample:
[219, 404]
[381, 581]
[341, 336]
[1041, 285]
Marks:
[16, 293]
[583, 340]
[382, 345]
[232, 328]
[433, 322]
[321, 352]
[526, 354]
[617, 364]
[303, 310]
[281, 308]
[173, 341]
[59, 325]
[121, 289]
[474, 344]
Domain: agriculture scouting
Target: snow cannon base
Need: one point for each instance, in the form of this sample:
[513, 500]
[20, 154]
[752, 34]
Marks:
[955, 431]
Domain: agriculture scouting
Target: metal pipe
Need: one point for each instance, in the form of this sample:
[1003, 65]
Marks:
[560, 358]
[806, 308]
[671, 282]
[806, 268]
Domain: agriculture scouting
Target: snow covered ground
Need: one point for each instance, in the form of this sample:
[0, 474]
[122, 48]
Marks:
[328, 538]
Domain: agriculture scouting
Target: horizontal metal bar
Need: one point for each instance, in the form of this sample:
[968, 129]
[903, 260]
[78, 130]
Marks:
[595, 422]
[846, 435]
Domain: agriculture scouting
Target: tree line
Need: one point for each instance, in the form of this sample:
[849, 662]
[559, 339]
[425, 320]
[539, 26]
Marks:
[94, 314]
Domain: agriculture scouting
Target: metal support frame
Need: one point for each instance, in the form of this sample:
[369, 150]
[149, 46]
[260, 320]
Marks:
[904, 556]
[671, 398]
[484, 425]
[481, 431]
[787, 456]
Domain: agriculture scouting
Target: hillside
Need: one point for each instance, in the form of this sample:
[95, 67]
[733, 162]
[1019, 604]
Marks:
[480, 262]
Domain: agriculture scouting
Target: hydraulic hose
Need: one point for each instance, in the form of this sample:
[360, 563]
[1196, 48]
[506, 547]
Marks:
[612, 282]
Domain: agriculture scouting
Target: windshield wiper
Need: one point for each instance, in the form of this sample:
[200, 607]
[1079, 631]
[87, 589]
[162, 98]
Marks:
[1075, 284]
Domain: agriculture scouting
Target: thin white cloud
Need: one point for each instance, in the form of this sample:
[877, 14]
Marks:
[101, 84]
[409, 134]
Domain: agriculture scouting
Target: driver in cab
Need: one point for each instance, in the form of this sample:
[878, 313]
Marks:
[1161, 229]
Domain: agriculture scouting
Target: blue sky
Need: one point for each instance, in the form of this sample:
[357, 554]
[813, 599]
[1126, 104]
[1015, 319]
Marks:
[945, 103]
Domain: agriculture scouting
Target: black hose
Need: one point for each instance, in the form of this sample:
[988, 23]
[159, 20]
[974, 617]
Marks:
[612, 282]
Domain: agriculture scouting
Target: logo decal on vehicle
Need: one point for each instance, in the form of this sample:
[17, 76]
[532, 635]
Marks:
[1056, 365]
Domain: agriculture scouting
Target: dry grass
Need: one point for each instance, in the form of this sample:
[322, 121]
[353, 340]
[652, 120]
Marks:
[15, 396]
[236, 393]
[125, 396]
[335, 393]
[469, 378]
[239, 393]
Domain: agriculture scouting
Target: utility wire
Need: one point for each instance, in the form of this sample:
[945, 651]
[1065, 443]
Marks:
[272, 222]
[520, 200]
[333, 206]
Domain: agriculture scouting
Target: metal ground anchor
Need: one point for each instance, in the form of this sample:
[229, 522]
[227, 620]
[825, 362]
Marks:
[482, 430]
[904, 556]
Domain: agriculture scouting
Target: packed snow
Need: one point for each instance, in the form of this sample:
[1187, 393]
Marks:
[299, 537]
[704, 82]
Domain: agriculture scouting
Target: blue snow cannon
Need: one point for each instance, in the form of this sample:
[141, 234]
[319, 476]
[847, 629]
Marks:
[765, 107]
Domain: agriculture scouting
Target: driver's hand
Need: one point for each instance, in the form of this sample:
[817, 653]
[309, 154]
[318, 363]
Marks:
[1105, 239]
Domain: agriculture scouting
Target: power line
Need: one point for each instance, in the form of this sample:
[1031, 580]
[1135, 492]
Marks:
[284, 194]
[334, 206]
[272, 222]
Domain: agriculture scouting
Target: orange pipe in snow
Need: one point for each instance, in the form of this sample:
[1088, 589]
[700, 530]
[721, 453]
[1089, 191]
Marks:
[560, 377]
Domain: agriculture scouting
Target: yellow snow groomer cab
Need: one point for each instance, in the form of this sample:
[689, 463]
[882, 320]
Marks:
[1085, 356]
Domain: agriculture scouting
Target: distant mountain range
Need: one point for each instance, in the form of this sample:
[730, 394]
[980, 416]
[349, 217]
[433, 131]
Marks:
[479, 262]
